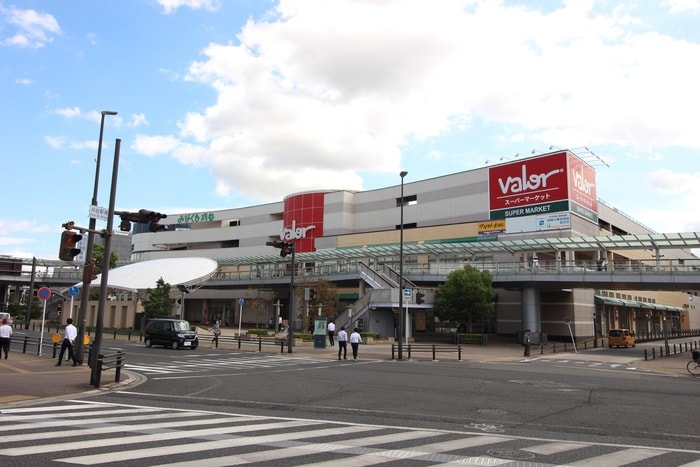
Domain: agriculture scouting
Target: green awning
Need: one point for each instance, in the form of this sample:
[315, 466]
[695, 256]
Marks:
[349, 296]
[600, 300]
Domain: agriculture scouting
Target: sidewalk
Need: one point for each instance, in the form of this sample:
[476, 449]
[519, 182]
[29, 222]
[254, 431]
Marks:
[27, 377]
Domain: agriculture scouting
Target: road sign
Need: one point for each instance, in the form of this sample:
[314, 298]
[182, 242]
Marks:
[407, 293]
[99, 213]
[73, 291]
[241, 302]
[44, 293]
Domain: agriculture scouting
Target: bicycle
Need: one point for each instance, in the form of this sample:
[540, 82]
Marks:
[694, 365]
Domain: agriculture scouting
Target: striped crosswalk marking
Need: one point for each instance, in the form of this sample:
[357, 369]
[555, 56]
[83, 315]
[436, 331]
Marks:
[201, 365]
[93, 433]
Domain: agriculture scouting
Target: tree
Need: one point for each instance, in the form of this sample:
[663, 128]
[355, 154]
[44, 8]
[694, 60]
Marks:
[325, 295]
[158, 302]
[98, 252]
[465, 297]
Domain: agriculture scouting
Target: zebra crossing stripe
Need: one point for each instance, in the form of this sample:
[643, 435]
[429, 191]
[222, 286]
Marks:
[149, 438]
[622, 457]
[227, 442]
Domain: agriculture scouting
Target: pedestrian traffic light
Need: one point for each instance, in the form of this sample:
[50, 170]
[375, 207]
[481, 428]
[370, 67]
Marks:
[420, 297]
[68, 250]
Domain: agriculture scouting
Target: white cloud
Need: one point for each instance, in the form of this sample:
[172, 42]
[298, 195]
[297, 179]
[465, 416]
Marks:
[30, 28]
[137, 120]
[682, 6]
[667, 181]
[320, 91]
[170, 6]
[69, 112]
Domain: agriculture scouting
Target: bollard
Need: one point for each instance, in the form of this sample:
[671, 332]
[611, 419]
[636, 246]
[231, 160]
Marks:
[24, 344]
[646, 357]
[392, 351]
[433, 351]
[97, 371]
[118, 369]
[115, 335]
[259, 343]
[239, 342]
[459, 352]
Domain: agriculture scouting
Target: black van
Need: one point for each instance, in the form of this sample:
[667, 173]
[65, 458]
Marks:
[170, 332]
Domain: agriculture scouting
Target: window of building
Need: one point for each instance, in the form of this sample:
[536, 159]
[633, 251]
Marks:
[230, 244]
[234, 223]
[407, 200]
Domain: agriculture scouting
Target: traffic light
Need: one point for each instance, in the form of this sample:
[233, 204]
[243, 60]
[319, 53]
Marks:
[312, 295]
[144, 216]
[420, 297]
[286, 248]
[68, 249]
[125, 225]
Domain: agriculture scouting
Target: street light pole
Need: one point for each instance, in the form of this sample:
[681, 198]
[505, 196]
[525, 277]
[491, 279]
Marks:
[292, 305]
[402, 175]
[85, 292]
[104, 277]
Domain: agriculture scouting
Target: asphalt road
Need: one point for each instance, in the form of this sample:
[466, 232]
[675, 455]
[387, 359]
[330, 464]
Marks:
[620, 409]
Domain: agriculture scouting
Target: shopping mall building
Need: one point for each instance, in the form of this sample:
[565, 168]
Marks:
[515, 216]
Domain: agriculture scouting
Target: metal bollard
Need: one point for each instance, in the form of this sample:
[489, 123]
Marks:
[118, 369]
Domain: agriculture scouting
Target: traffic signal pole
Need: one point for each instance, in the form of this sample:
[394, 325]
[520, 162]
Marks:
[104, 279]
[85, 292]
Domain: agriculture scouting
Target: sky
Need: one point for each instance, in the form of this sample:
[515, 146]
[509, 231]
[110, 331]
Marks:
[231, 103]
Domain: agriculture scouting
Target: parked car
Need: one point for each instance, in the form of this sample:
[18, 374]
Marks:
[620, 338]
[7, 317]
[170, 332]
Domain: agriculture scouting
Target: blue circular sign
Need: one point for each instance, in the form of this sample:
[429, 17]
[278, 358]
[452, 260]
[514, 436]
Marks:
[241, 302]
[44, 293]
[73, 291]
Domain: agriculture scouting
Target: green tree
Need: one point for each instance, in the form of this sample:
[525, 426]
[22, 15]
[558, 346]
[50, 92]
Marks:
[18, 311]
[325, 295]
[465, 297]
[158, 302]
[98, 252]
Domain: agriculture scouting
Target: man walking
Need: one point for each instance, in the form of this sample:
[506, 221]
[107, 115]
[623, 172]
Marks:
[355, 340]
[5, 334]
[526, 343]
[331, 332]
[70, 333]
[343, 343]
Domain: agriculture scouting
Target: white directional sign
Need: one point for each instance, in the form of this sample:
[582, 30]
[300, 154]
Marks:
[99, 213]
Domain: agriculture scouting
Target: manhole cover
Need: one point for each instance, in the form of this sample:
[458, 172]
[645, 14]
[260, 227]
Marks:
[513, 454]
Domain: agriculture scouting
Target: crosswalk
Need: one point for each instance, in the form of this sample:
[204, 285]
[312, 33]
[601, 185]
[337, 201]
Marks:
[205, 364]
[93, 433]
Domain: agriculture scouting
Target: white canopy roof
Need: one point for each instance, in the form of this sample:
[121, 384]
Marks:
[187, 272]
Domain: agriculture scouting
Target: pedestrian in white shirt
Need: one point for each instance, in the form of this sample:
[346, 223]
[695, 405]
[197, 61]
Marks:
[343, 343]
[5, 334]
[70, 333]
[355, 340]
[331, 333]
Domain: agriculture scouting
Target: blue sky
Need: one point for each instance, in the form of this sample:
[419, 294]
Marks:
[237, 102]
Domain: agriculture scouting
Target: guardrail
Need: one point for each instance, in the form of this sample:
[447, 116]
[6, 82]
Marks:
[430, 348]
[114, 362]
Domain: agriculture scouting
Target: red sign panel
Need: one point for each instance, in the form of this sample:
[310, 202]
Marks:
[303, 220]
[582, 184]
[528, 182]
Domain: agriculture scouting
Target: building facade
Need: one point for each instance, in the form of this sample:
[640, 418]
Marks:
[550, 196]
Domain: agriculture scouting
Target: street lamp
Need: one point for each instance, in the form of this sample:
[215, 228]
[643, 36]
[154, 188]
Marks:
[85, 292]
[104, 277]
[402, 175]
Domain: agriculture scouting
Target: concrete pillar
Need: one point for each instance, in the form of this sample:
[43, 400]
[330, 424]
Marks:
[530, 298]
